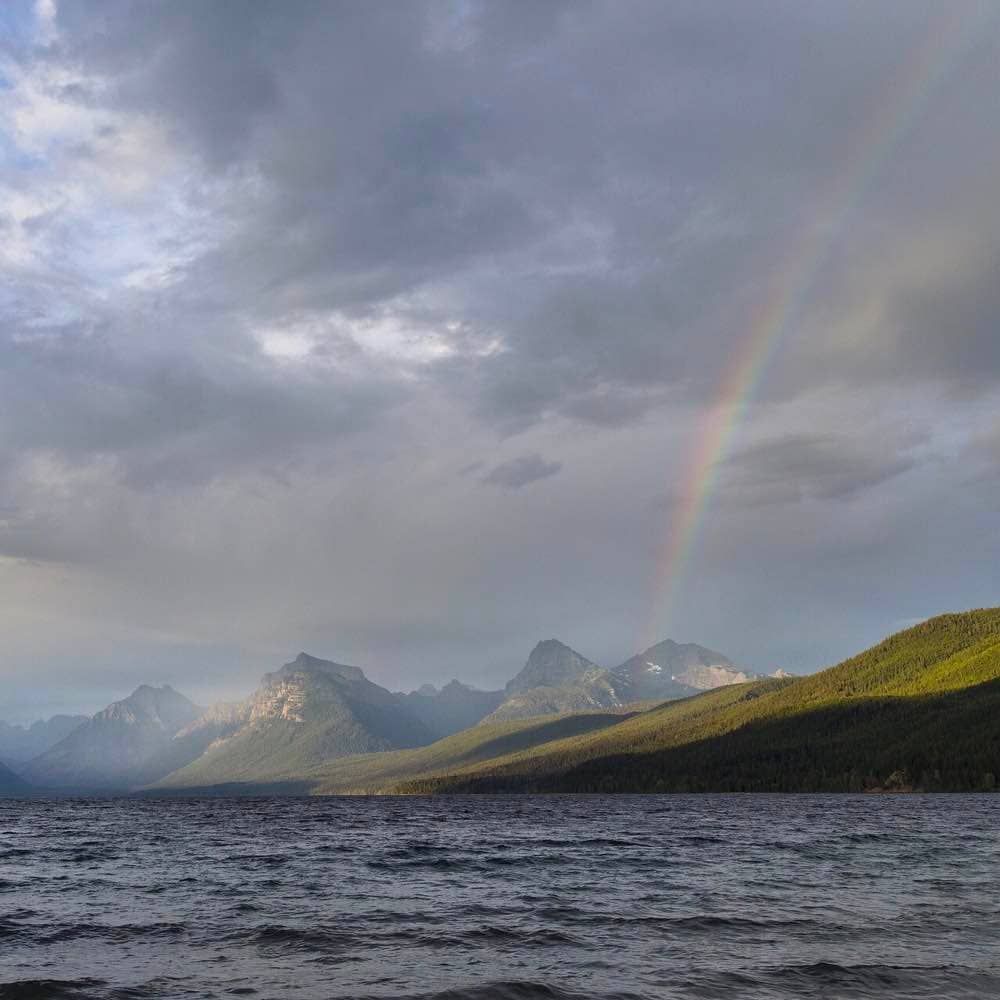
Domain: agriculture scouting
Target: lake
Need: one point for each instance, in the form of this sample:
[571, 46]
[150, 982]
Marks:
[501, 897]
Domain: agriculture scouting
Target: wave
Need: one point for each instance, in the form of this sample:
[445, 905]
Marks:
[715, 922]
[516, 990]
[694, 922]
[114, 933]
[541, 937]
[283, 938]
[89, 989]
[858, 982]
[51, 989]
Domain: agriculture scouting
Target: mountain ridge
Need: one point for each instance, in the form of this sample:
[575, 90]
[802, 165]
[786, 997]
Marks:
[555, 678]
[672, 669]
[922, 703]
[916, 710]
[22, 743]
[120, 746]
[308, 711]
[456, 706]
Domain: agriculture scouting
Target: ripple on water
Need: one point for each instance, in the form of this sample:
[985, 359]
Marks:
[521, 898]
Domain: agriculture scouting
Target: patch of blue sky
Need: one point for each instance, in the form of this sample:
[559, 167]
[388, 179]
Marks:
[18, 25]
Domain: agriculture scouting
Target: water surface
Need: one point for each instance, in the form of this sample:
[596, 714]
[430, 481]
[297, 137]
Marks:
[746, 897]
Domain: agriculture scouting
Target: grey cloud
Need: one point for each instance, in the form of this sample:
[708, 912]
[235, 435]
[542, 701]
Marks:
[521, 471]
[548, 227]
[169, 417]
[820, 466]
[385, 166]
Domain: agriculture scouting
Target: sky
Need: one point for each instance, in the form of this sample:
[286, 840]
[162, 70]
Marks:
[412, 334]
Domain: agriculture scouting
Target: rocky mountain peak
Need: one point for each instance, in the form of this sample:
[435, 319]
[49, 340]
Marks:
[162, 707]
[306, 663]
[121, 745]
[676, 669]
[455, 688]
[551, 664]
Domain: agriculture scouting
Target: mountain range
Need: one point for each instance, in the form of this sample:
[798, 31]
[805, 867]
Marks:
[917, 710]
[312, 711]
[558, 679]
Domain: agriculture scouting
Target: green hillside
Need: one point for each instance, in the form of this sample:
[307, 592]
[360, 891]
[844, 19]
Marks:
[381, 771]
[278, 749]
[921, 708]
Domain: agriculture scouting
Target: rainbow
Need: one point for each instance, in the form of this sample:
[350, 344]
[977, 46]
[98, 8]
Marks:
[790, 287]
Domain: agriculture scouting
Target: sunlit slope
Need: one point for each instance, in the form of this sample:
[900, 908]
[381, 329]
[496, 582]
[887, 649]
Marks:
[381, 771]
[922, 707]
[647, 731]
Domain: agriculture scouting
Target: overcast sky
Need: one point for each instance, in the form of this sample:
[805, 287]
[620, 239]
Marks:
[389, 331]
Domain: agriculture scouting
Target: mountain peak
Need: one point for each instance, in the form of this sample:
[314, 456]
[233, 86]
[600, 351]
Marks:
[120, 745]
[151, 690]
[307, 662]
[676, 669]
[545, 646]
[161, 703]
[551, 664]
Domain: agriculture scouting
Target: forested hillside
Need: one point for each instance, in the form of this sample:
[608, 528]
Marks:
[921, 709]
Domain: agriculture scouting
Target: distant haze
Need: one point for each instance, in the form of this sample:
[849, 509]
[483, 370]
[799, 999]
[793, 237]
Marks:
[391, 332]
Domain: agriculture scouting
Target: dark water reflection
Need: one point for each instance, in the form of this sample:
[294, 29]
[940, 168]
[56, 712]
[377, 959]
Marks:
[522, 898]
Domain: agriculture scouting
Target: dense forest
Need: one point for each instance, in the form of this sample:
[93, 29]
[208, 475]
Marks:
[921, 710]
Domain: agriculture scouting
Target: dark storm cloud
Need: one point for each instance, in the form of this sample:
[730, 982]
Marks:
[275, 277]
[521, 471]
[592, 161]
[563, 153]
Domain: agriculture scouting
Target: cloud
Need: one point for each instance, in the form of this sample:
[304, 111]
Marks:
[818, 466]
[275, 278]
[521, 471]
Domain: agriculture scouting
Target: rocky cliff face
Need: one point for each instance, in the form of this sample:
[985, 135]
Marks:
[594, 690]
[309, 712]
[551, 664]
[554, 679]
[301, 690]
[558, 679]
[120, 746]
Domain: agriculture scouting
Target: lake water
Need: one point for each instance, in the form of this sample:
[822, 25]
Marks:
[489, 897]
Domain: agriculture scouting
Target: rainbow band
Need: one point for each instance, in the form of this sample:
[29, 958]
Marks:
[947, 39]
